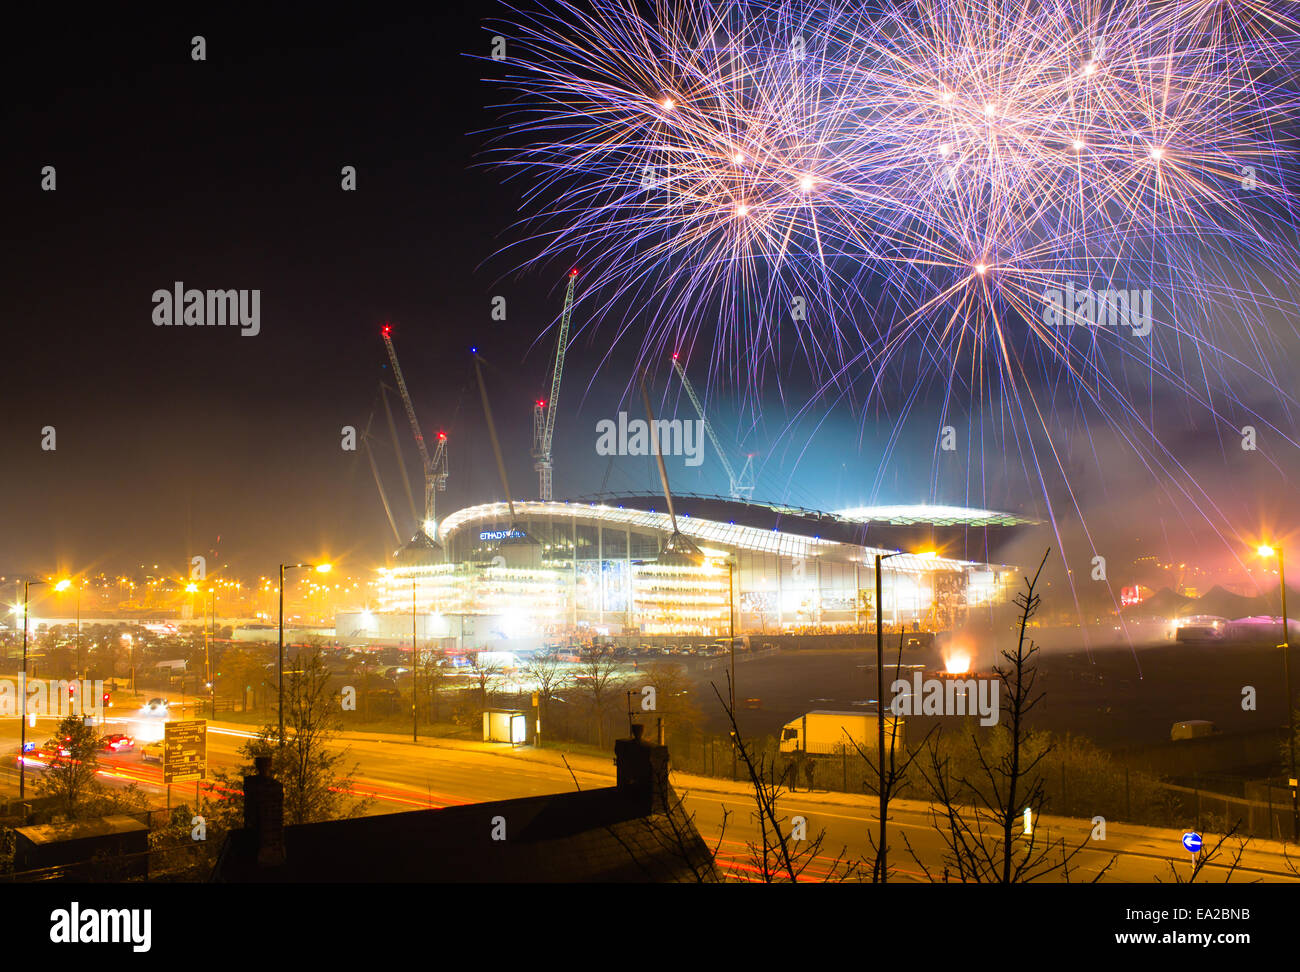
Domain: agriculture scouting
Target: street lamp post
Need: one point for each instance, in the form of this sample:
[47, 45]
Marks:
[63, 585]
[210, 631]
[731, 612]
[1266, 551]
[415, 669]
[22, 744]
[881, 869]
[321, 569]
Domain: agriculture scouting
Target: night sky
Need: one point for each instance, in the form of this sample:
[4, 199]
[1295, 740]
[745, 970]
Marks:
[225, 173]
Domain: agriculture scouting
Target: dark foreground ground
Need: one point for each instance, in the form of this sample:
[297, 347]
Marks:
[1115, 696]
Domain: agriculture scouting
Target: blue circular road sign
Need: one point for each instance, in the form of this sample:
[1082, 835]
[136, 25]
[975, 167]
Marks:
[1192, 841]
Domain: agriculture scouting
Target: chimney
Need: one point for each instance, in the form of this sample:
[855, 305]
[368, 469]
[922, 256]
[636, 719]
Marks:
[642, 769]
[264, 813]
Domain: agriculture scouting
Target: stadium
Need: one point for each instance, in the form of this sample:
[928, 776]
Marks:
[559, 571]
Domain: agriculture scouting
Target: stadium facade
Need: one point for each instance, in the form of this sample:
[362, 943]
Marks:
[564, 570]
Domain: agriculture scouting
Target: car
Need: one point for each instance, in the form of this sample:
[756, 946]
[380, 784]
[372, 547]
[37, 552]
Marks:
[454, 661]
[62, 751]
[155, 707]
[117, 742]
[152, 752]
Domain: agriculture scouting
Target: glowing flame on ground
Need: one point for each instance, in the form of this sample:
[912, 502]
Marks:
[957, 663]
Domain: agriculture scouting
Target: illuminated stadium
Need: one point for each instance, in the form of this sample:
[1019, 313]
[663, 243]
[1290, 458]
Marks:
[573, 569]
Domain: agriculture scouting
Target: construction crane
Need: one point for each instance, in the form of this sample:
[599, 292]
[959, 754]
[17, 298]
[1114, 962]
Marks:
[544, 409]
[379, 483]
[435, 466]
[740, 487]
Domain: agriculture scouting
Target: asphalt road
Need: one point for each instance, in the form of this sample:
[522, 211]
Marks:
[399, 775]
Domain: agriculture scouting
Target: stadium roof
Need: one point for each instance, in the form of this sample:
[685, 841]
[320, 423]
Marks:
[937, 515]
[702, 531]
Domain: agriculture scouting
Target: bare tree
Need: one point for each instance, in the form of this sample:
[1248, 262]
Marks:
[985, 839]
[895, 776]
[486, 674]
[600, 682]
[317, 786]
[673, 701]
[546, 672]
[1204, 858]
[779, 854]
[431, 679]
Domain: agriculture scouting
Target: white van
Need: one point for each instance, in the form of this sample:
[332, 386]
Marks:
[1192, 729]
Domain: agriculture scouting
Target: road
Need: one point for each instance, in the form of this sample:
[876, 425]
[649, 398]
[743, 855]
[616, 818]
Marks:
[399, 775]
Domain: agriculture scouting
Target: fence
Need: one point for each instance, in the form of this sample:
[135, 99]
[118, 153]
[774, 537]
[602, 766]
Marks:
[183, 862]
[1270, 818]
[711, 754]
[1075, 782]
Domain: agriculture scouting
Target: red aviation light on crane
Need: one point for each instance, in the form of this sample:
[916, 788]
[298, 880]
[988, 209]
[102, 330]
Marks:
[442, 436]
[674, 355]
[386, 330]
[573, 272]
[540, 403]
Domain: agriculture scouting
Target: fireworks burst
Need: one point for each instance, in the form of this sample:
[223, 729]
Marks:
[933, 193]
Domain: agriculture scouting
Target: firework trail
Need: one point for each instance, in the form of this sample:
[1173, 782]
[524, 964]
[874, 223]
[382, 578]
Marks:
[1044, 211]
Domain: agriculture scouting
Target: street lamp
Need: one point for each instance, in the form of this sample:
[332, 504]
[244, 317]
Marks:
[209, 635]
[882, 871]
[320, 569]
[731, 614]
[62, 586]
[22, 745]
[1266, 551]
[415, 668]
[207, 652]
